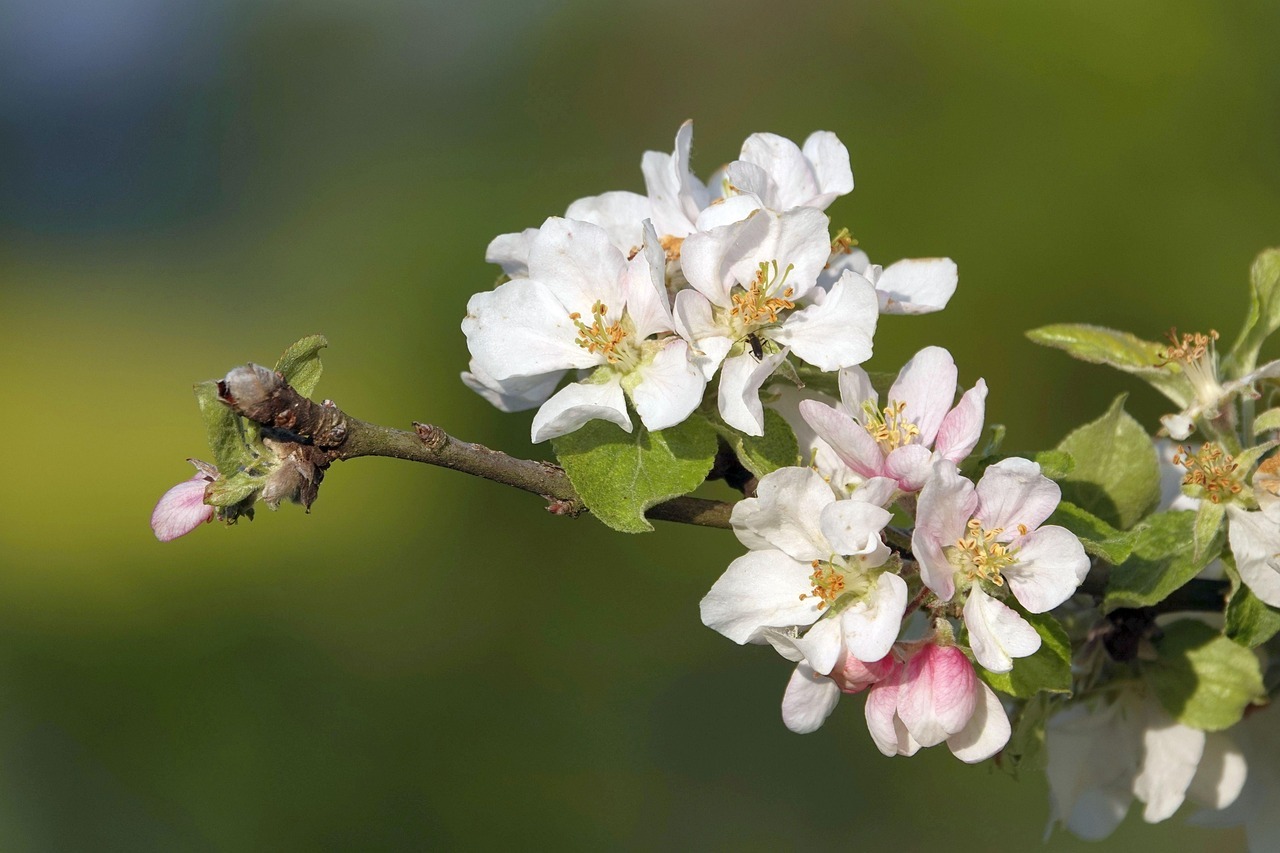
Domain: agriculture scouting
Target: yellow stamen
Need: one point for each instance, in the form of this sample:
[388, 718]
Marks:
[600, 336]
[890, 427]
[1212, 469]
[828, 584]
[754, 306]
[982, 555]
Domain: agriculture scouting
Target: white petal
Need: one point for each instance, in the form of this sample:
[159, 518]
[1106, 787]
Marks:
[987, 731]
[670, 387]
[821, 645]
[1013, 492]
[797, 240]
[1171, 754]
[1093, 757]
[516, 394]
[853, 527]
[927, 385]
[511, 252]
[522, 329]
[618, 213]
[676, 195]
[962, 427]
[830, 161]
[945, 506]
[784, 515]
[739, 399]
[1051, 565]
[759, 590]
[917, 286]
[782, 159]
[872, 626]
[751, 180]
[580, 264]
[727, 211]
[784, 644]
[887, 730]
[848, 438]
[1256, 546]
[809, 700]
[836, 333]
[708, 258]
[574, 405]
[695, 322]
[1221, 774]
[997, 634]
[857, 392]
[877, 490]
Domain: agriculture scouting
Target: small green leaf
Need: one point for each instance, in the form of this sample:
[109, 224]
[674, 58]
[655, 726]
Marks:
[763, 454]
[1048, 670]
[1163, 559]
[229, 491]
[1268, 421]
[1099, 538]
[1250, 621]
[1263, 317]
[1054, 464]
[1121, 350]
[1117, 472]
[1202, 679]
[232, 440]
[1208, 522]
[1247, 458]
[301, 365]
[620, 475]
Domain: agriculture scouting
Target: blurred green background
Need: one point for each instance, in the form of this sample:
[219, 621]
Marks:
[429, 660]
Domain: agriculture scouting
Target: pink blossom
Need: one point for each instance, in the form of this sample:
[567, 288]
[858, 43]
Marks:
[182, 509]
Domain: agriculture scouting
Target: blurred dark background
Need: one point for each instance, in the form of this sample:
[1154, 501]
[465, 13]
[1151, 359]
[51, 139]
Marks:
[429, 660]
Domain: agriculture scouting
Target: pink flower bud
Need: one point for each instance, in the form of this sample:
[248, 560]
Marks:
[854, 676]
[938, 694]
[182, 509]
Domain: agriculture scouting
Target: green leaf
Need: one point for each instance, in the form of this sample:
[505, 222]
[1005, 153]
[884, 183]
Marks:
[1121, 350]
[1263, 317]
[1268, 421]
[1099, 538]
[1202, 679]
[1163, 559]
[1117, 472]
[763, 454]
[620, 475]
[1047, 671]
[1250, 621]
[1054, 464]
[232, 440]
[1024, 753]
[1247, 458]
[1208, 522]
[301, 365]
[229, 491]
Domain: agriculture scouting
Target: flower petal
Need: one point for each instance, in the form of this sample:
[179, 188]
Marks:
[1221, 773]
[945, 506]
[739, 399]
[820, 645]
[759, 590]
[837, 332]
[619, 213]
[987, 731]
[695, 322]
[938, 694]
[857, 393]
[579, 262]
[1171, 753]
[849, 439]
[872, 625]
[708, 258]
[1256, 546]
[997, 634]
[575, 404]
[676, 195]
[516, 394]
[853, 527]
[522, 329]
[1013, 492]
[909, 466]
[917, 286]
[784, 515]
[809, 700]
[887, 730]
[962, 427]
[511, 252]
[181, 509]
[829, 159]
[670, 387]
[1051, 565]
[927, 385]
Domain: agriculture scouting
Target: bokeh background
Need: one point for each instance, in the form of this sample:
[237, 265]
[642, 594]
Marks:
[432, 661]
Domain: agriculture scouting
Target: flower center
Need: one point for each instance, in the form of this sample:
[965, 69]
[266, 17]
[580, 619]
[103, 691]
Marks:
[832, 579]
[672, 246]
[889, 426]
[1196, 355]
[754, 306]
[1212, 469]
[981, 556]
[601, 336]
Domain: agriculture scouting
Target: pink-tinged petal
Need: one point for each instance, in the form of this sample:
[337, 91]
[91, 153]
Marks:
[857, 393]
[820, 645]
[619, 213]
[1013, 492]
[997, 634]
[927, 385]
[782, 159]
[574, 405]
[1171, 753]
[962, 427]
[1256, 546]
[879, 491]
[1221, 773]
[513, 395]
[909, 466]
[871, 626]
[580, 264]
[987, 731]
[181, 509]
[853, 528]
[945, 506]
[887, 730]
[797, 239]
[739, 399]
[837, 332]
[511, 252]
[695, 322]
[809, 700]
[829, 159]
[669, 387]
[759, 590]
[708, 258]
[938, 694]
[854, 675]
[784, 515]
[849, 439]
[1051, 564]
[917, 286]
[522, 329]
